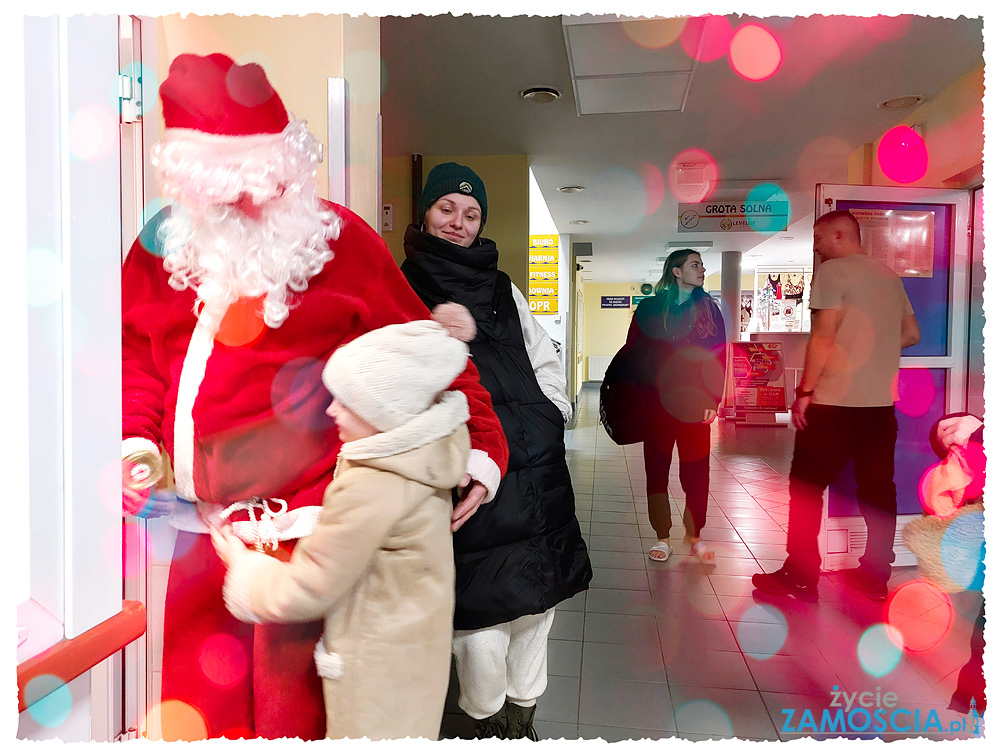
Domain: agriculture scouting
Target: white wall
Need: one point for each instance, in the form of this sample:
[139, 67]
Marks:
[540, 223]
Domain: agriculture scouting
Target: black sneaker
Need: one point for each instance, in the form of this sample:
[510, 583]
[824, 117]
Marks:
[871, 588]
[783, 582]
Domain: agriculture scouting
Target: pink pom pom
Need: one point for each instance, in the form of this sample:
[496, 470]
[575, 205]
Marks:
[456, 319]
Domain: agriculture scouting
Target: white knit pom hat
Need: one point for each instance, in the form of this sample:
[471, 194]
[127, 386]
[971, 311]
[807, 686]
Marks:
[391, 375]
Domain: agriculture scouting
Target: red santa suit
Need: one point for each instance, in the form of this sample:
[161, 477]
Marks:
[241, 413]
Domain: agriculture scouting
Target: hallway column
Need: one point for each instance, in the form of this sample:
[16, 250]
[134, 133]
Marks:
[731, 285]
[732, 282]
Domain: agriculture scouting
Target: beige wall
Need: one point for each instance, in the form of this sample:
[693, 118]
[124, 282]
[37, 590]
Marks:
[714, 282]
[299, 54]
[604, 330]
[952, 126]
[506, 179]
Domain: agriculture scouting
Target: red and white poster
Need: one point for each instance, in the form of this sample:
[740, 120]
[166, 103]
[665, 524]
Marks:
[758, 378]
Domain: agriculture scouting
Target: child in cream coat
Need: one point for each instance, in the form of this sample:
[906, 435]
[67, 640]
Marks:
[379, 565]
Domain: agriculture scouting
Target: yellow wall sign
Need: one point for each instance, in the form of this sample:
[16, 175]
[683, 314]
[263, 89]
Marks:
[543, 274]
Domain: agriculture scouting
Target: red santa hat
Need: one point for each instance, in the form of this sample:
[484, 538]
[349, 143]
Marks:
[228, 135]
[214, 95]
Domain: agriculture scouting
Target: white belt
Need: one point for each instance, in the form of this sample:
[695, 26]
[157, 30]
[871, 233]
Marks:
[264, 530]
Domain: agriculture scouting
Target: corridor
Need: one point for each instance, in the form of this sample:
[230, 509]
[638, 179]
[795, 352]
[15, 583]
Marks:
[657, 650]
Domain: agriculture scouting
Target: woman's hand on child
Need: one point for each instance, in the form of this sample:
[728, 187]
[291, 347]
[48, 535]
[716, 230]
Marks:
[472, 494]
[227, 545]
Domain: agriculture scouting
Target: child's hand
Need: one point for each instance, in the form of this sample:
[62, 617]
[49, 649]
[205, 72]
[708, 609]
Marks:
[955, 431]
[227, 545]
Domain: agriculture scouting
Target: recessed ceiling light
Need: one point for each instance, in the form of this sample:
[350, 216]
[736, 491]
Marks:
[579, 222]
[901, 103]
[786, 238]
[540, 95]
[571, 189]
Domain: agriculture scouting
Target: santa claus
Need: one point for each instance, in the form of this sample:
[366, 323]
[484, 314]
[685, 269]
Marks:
[233, 298]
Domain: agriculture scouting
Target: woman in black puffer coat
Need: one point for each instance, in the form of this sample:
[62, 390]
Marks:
[523, 553]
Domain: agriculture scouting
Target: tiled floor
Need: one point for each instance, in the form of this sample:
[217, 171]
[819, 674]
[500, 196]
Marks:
[656, 650]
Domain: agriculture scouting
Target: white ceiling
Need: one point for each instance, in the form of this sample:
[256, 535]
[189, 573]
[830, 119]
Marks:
[451, 87]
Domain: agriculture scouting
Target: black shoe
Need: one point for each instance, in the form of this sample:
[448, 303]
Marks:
[520, 722]
[494, 726]
[783, 582]
[871, 588]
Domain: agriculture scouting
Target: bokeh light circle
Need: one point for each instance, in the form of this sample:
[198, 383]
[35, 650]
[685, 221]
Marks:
[656, 188]
[754, 52]
[710, 45]
[922, 614]
[768, 208]
[961, 562]
[902, 155]
[692, 176]
[299, 397]
[916, 390]
[243, 323]
[703, 717]
[93, 133]
[761, 640]
[366, 70]
[44, 277]
[654, 33]
[153, 207]
[879, 649]
[54, 708]
[174, 721]
[223, 660]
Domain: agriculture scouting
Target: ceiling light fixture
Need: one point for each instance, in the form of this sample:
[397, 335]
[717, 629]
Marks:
[579, 222]
[540, 95]
[904, 102]
[689, 244]
[570, 189]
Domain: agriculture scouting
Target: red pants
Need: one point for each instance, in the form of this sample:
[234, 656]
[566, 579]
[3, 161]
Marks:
[245, 680]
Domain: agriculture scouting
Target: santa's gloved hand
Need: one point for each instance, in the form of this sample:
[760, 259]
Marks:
[148, 503]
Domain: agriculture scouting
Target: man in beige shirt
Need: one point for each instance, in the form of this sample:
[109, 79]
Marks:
[861, 320]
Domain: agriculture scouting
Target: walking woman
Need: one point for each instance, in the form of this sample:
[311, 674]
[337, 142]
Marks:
[677, 340]
[522, 553]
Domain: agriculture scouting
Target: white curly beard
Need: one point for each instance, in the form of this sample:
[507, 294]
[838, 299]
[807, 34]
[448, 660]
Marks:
[222, 252]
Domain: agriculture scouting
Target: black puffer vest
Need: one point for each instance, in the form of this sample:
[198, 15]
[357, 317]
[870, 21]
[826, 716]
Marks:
[522, 553]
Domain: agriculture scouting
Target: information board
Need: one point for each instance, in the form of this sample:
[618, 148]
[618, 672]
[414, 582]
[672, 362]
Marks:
[615, 302]
[543, 274]
[758, 377]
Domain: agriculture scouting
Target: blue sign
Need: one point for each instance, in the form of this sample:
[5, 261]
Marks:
[615, 302]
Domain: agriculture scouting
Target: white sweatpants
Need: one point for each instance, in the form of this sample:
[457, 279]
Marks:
[506, 661]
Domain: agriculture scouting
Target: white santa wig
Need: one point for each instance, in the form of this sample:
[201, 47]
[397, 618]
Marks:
[246, 220]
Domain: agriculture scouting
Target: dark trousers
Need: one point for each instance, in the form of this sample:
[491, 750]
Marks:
[694, 442]
[971, 681]
[834, 434]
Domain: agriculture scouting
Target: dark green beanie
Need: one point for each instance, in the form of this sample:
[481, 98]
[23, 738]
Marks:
[448, 178]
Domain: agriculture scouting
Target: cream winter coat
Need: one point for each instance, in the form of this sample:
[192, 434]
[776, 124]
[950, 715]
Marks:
[379, 567]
